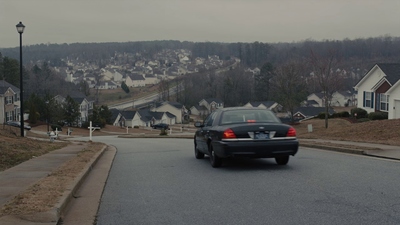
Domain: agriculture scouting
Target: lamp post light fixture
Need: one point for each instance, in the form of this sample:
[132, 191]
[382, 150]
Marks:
[20, 29]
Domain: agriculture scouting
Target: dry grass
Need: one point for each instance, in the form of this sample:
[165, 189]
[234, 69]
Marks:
[44, 195]
[381, 132]
[15, 150]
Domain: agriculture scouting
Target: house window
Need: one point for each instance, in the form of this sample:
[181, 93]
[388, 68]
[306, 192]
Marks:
[9, 100]
[368, 99]
[384, 102]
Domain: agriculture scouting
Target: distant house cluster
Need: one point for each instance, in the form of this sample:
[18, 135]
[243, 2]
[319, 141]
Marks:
[138, 71]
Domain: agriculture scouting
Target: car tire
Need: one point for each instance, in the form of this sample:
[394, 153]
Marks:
[214, 159]
[282, 160]
[197, 153]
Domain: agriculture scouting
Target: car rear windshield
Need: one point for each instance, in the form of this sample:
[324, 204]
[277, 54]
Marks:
[248, 116]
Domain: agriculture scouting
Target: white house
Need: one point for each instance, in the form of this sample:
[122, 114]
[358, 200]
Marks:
[211, 104]
[343, 98]
[85, 106]
[379, 90]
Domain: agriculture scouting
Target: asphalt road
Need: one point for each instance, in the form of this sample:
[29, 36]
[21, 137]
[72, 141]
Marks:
[159, 181]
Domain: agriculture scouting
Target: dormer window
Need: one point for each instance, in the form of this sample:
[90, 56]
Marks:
[9, 100]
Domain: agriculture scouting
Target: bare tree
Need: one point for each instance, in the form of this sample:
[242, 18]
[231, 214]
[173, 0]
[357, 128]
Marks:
[324, 66]
[163, 90]
[289, 85]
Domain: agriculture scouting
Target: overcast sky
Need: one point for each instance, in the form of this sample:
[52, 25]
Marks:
[85, 21]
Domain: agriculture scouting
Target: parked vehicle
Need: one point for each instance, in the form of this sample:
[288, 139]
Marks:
[18, 124]
[244, 132]
[161, 126]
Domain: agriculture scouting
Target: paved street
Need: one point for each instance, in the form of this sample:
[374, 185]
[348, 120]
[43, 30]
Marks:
[158, 181]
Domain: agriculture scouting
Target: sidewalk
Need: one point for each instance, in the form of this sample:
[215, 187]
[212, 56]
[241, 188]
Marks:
[370, 149]
[17, 179]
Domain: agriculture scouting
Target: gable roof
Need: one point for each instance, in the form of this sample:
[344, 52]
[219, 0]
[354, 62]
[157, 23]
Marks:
[174, 104]
[128, 115]
[392, 71]
[216, 100]
[318, 94]
[136, 77]
[312, 111]
[4, 85]
[267, 104]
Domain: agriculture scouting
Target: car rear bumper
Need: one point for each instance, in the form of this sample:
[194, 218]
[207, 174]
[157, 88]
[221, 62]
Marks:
[255, 149]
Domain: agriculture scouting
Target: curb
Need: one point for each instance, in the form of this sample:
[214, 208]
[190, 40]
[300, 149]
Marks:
[333, 148]
[61, 206]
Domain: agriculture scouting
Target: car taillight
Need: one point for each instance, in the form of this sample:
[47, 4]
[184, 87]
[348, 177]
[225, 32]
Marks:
[291, 132]
[228, 134]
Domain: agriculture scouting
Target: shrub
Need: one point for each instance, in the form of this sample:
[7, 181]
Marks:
[163, 132]
[136, 126]
[340, 114]
[54, 126]
[361, 113]
[378, 116]
[344, 114]
[322, 115]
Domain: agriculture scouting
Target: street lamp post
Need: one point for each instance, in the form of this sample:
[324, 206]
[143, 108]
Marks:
[20, 29]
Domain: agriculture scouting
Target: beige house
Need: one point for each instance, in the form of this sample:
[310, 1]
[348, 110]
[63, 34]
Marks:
[9, 102]
[135, 80]
[175, 108]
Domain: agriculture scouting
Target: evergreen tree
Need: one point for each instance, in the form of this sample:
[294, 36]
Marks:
[262, 82]
[9, 71]
[124, 87]
[71, 110]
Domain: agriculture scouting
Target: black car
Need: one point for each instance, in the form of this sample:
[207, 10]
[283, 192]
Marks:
[18, 124]
[161, 126]
[244, 132]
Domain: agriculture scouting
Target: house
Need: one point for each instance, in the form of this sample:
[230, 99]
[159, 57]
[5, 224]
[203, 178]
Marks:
[144, 118]
[302, 113]
[135, 80]
[211, 104]
[198, 110]
[338, 98]
[379, 90]
[104, 85]
[343, 98]
[271, 105]
[318, 98]
[115, 116]
[126, 118]
[151, 79]
[9, 102]
[175, 108]
[85, 106]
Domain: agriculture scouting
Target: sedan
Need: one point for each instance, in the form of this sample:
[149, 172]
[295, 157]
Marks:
[161, 126]
[244, 132]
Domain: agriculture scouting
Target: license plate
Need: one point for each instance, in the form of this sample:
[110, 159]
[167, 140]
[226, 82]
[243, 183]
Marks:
[261, 136]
